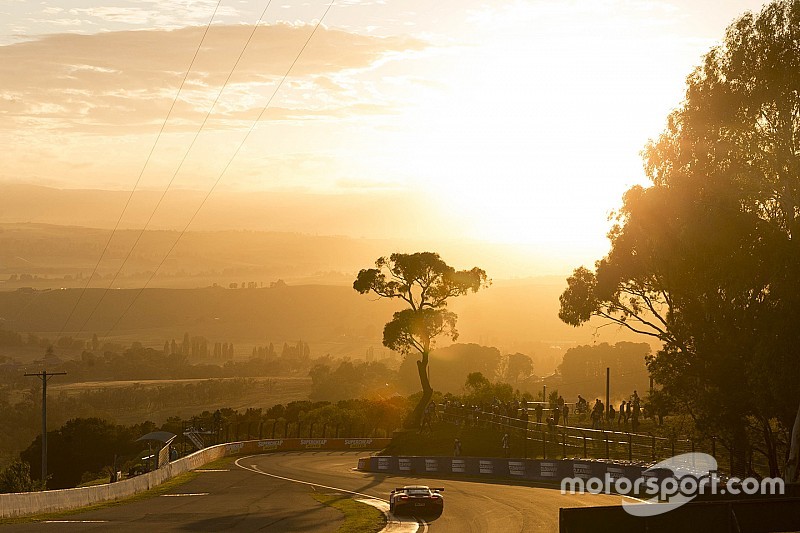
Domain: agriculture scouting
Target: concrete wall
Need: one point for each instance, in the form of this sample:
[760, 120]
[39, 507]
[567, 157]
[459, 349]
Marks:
[26, 503]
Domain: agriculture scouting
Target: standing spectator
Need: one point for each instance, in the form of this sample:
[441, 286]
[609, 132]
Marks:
[506, 445]
[621, 412]
[597, 414]
[565, 414]
[611, 414]
[456, 448]
[628, 412]
[556, 409]
[538, 413]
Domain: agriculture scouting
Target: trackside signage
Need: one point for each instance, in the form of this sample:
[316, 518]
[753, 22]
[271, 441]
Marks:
[516, 468]
[431, 465]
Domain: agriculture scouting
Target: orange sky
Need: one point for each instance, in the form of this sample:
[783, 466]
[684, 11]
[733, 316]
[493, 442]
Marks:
[520, 121]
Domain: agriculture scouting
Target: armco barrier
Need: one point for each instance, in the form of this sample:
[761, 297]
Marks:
[25, 503]
[541, 470]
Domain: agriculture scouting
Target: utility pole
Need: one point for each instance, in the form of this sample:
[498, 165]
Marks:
[44, 376]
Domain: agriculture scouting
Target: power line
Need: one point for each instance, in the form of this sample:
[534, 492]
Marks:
[225, 169]
[141, 173]
[180, 165]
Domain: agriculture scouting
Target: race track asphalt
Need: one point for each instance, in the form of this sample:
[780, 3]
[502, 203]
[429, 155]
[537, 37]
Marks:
[247, 496]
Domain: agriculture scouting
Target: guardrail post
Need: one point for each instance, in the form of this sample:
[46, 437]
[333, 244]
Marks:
[563, 444]
[605, 437]
[584, 444]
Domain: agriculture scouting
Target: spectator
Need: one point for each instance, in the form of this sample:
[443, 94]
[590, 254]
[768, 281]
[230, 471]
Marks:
[565, 414]
[621, 412]
[539, 410]
[457, 448]
[506, 445]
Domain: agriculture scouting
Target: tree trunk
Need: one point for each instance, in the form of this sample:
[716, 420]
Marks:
[414, 420]
[794, 451]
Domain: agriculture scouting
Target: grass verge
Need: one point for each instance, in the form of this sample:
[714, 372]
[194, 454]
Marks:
[60, 515]
[358, 517]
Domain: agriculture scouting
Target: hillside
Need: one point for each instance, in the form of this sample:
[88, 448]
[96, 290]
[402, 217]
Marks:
[513, 316]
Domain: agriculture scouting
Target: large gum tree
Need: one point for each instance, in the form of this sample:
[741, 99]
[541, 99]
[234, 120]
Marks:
[707, 258]
[425, 283]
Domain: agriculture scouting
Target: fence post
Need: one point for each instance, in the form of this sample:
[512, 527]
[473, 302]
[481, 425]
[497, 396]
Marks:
[653, 447]
[630, 447]
[544, 445]
[605, 437]
[525, 443]
[584, 444]
[714, 447]
[564, 445]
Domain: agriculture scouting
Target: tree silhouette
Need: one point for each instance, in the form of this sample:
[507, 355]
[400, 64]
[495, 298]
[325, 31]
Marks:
[425, 283]
[707, 258]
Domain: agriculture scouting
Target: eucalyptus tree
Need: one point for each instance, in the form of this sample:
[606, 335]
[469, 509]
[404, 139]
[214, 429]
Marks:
[706, 258]
[425, 283]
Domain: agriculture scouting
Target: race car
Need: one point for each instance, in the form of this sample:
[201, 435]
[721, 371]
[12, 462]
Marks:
[416, 499]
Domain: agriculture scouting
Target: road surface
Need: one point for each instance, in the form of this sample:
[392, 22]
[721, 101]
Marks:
[271, 493]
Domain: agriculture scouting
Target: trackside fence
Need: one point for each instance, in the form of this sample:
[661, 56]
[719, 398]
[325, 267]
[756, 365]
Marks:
[550, 442]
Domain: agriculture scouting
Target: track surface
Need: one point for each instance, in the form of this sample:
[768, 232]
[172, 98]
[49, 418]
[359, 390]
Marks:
[246, 498]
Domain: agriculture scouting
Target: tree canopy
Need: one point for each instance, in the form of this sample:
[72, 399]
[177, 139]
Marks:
[425, 283]
[706, 258]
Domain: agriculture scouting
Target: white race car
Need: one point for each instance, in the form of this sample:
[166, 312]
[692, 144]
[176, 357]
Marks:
[416, 499]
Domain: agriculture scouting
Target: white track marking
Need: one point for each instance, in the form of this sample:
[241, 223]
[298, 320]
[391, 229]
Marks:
[394, 524]
[212, 470]
[185, 494]
[390, 518]
[75, 521]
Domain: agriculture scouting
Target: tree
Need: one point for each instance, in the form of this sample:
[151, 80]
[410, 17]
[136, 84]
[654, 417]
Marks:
[16, 477]
[425, 283]
[706, 258]
[518, 366]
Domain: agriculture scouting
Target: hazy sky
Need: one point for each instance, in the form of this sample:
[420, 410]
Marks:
[522, 120]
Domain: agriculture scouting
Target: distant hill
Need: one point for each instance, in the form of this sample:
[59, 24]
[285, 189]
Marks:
[514, 317]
